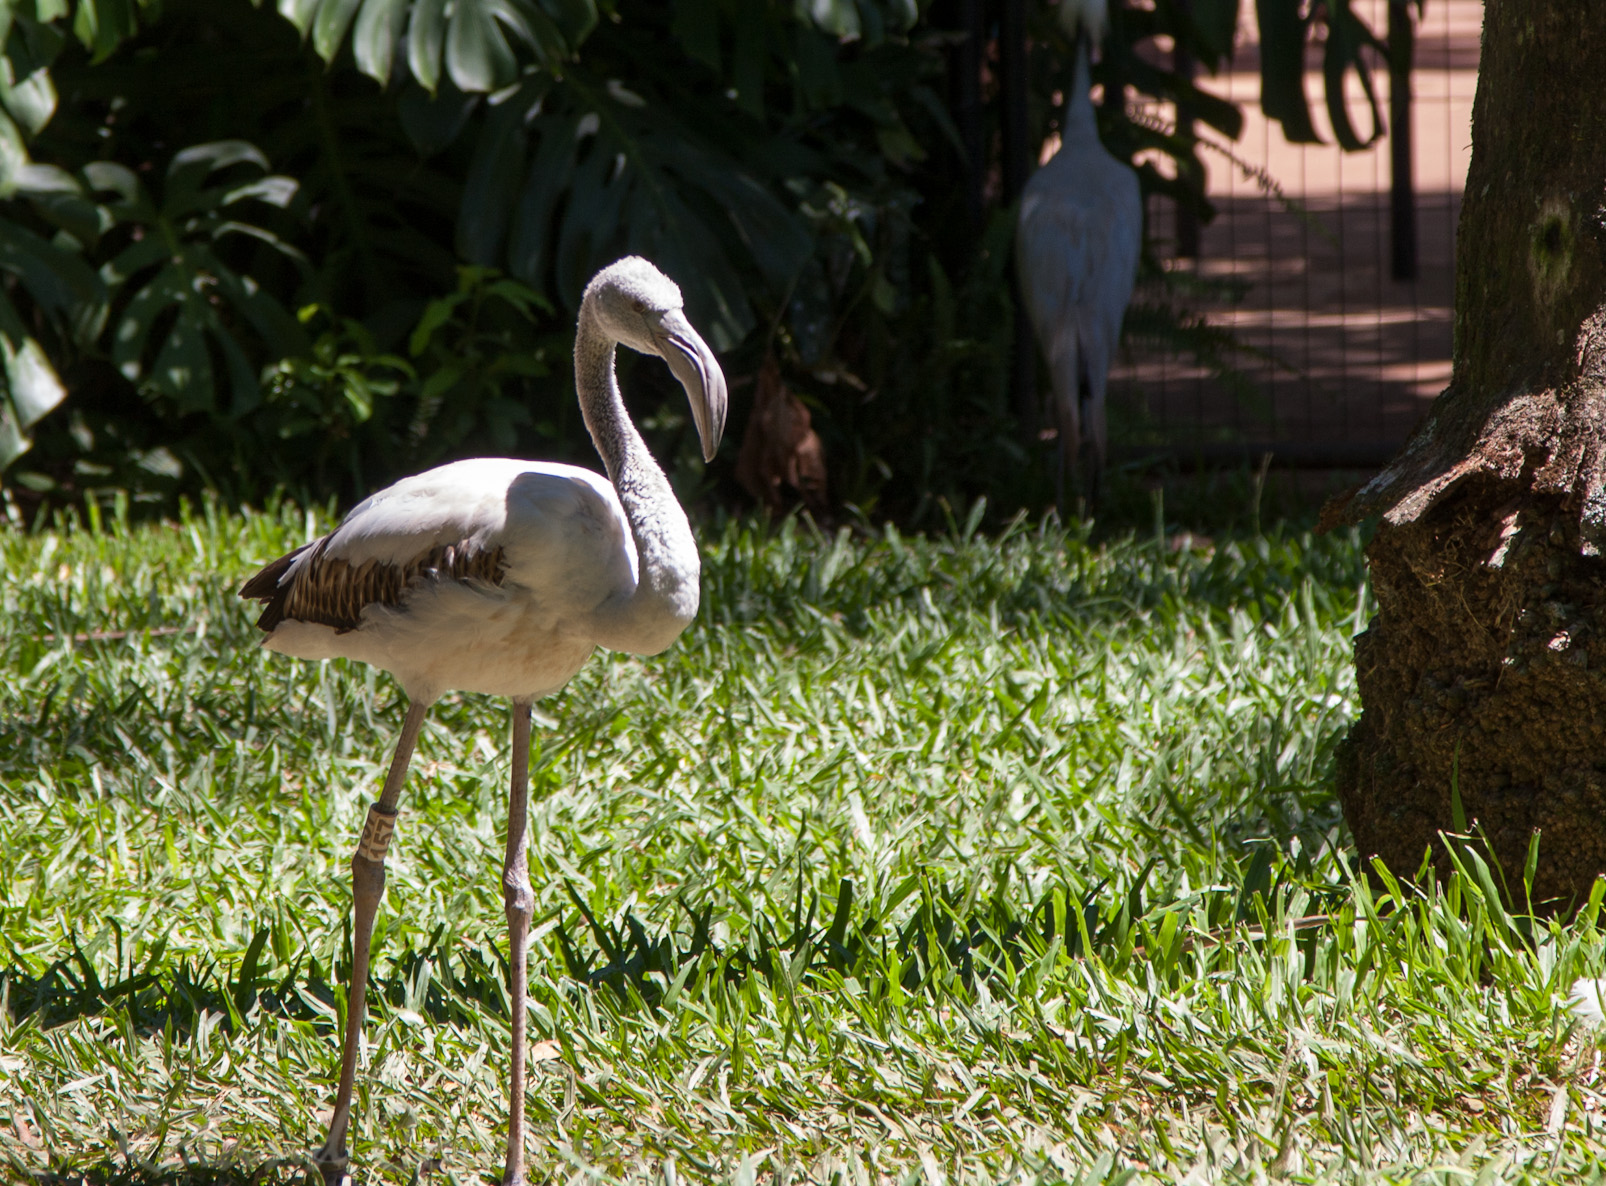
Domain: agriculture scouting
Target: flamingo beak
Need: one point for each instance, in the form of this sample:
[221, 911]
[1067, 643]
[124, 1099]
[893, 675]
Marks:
[694, 364]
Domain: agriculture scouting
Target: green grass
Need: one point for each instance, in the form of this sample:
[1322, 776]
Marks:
[1005, 858]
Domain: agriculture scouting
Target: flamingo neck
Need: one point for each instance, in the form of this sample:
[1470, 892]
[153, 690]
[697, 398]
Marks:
[667, 569]
[1079, 124]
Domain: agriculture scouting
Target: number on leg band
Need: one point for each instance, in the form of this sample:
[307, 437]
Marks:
[376, 835]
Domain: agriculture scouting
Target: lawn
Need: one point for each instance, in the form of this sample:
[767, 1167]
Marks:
[1001, 857]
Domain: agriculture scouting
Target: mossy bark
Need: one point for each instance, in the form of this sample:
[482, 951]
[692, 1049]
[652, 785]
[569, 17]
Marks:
[1484, 669]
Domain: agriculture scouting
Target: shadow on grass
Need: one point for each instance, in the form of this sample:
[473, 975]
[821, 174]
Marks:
[949, 936]
[948, 933]
[444, 985]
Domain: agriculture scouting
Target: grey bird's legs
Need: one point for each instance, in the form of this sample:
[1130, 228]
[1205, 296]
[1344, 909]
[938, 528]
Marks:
[1068, 449]
[1079, 461]
[368, 886]
[520, 901]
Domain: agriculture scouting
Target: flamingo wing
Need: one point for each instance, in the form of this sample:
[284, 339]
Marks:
[554, 532]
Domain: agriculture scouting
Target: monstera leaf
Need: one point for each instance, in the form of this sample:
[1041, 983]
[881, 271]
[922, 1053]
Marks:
[851, 20]
[572, 166]
[27, 94]
[1285, 28]
[478, 43]
[179, 283]
[709, 172]
[177, 309]
[32, 34]
[566, 175]
[66, 296]
[475, 42]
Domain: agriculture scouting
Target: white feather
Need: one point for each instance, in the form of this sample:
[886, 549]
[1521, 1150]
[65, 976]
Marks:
[1588, 1000]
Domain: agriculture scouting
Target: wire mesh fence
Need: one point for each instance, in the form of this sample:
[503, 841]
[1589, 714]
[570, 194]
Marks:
[1329, 359]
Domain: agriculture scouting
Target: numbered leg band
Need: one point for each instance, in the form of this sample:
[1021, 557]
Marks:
[376, 835]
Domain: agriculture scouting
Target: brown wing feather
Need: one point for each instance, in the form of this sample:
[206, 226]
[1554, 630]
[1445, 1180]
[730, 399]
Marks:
[333, 592]
[264, 586]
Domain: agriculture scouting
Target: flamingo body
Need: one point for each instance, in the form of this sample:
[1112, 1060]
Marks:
[502, 576]
[491, 575]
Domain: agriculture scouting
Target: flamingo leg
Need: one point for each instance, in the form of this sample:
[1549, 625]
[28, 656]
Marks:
[368, 886]
[519, 900]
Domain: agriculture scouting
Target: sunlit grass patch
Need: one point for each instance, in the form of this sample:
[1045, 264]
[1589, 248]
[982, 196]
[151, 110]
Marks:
[976, 858]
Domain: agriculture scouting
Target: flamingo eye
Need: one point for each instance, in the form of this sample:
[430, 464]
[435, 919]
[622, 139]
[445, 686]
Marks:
[639, 306]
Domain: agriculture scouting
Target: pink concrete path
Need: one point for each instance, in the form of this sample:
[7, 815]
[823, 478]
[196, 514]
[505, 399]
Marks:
[1344, 359]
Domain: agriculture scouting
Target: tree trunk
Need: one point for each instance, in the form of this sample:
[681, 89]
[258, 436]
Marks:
[1484, 672]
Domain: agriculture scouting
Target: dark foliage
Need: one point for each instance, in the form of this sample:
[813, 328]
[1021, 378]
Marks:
[244, 252]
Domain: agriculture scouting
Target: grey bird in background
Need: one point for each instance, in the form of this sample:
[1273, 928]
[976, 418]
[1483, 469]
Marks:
[1077, 242]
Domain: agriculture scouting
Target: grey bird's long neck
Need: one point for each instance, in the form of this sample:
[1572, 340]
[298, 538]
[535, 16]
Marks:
[666, 592]
[1079, 124]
